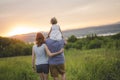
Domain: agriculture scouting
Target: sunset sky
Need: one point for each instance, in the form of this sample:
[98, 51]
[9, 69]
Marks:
[25, 16]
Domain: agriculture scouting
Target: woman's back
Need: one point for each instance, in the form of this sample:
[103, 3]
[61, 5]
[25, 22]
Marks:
[41, 56]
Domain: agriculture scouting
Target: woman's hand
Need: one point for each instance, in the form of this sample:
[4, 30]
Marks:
[33, 68]
[53, 54]
[61, 51]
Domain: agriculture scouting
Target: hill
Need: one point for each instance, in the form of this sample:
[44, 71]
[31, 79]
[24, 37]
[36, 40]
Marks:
[99, 30]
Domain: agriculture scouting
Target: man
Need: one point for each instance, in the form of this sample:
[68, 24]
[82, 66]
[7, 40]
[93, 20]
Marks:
[56, 63]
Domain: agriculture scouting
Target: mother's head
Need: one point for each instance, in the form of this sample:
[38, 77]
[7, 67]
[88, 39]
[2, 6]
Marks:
[39, 39]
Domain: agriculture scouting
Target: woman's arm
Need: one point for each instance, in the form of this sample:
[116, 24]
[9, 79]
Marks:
[52, 54]
[33, 58]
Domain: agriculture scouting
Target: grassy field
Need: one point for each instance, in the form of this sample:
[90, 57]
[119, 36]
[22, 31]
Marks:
[95, 64]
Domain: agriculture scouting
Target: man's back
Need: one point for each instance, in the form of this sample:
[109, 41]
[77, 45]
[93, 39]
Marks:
[55, 46]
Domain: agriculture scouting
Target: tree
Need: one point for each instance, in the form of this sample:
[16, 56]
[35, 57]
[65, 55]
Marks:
[72, 38]
[14, 47]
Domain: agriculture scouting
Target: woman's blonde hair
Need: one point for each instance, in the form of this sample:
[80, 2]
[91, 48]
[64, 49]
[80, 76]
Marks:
[53, 20]
[39, 39]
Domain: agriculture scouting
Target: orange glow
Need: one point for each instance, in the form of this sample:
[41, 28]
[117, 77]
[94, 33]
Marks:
[22, 29]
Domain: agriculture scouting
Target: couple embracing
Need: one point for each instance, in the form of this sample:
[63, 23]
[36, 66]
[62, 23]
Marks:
[48, 54]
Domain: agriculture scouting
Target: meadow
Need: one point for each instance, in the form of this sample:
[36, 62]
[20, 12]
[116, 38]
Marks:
[93, 64]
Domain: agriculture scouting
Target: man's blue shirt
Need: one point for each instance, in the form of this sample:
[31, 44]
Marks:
[55, 46]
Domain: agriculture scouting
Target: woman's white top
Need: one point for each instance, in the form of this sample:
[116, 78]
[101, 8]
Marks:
[40, 53]
[55, 32]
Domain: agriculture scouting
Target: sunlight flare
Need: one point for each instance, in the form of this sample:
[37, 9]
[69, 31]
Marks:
[21, 29]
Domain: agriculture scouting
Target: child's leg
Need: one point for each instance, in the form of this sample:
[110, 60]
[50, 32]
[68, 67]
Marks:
[65, 42]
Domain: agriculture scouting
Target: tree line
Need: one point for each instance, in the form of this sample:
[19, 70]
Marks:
[93, 41]
[13, 47]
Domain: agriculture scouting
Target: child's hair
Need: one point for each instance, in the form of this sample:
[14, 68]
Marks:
[53, 20]
[39, 39]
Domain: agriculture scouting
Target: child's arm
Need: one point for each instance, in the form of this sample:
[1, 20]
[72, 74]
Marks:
[65, 41]
[52, 54]
[61, 33]
[49, 33]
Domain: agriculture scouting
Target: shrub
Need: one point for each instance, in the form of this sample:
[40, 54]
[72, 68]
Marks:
[78, 44]
[117, 36]
[94, 44]
[72, 38]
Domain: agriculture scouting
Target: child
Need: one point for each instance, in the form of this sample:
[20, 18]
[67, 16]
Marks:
[39, 57]
[55, 31]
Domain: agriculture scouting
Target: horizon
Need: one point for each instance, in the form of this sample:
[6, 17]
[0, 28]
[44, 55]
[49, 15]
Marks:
[21, 17]
[96, 26]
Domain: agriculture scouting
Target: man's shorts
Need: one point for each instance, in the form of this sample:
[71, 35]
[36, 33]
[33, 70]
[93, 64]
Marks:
[57, 69]
[42, 68]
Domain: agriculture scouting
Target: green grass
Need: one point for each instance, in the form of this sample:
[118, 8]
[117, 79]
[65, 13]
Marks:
[16, 68]
[95, 64]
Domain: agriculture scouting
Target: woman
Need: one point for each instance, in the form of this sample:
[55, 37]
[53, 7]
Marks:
[40, 51]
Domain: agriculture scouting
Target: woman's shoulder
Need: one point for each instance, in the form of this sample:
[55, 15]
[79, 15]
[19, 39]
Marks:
[43, 44]
[35, 45]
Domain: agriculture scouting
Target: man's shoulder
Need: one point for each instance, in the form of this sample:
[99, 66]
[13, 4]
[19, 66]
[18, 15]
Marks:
[47, 40]
[50, 40]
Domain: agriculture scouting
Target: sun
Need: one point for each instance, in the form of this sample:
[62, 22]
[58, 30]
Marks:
[21, 29]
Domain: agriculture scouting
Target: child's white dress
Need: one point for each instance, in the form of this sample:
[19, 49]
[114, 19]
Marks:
[55, 33]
